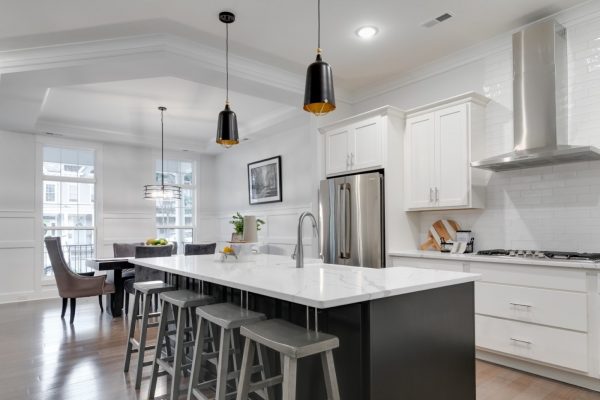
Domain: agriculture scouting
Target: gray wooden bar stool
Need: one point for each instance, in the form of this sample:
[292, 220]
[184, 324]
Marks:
[292, 342]
[229, 318]
[143, 293]
[183, 304]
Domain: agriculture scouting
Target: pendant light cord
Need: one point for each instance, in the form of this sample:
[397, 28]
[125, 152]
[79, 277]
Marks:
[318, 26]
[227, 63]
[162, 151]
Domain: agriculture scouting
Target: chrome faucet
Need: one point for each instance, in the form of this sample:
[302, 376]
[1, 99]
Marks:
[298, 254]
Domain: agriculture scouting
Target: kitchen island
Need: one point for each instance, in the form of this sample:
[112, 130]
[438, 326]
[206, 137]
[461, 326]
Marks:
[404, 333]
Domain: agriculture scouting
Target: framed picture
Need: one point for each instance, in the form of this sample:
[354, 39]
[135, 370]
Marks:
[264, 181]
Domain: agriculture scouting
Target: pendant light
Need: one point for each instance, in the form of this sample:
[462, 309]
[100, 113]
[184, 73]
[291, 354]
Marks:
[227, 129]
[319, 98]
[162, 191]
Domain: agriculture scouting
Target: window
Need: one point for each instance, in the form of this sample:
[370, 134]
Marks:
[68, 209]
[175, 218]
[73, 197]
[50, 193]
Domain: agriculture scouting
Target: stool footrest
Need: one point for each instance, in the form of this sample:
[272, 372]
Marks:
[174, 331]
[276, 380]
[135, 346]
[167, 369]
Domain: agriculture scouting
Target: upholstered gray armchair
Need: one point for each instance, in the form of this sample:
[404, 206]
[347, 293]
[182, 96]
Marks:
[71, 285]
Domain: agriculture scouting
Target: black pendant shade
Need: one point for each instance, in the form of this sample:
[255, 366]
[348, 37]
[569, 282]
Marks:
[227, 129]
[319, 97]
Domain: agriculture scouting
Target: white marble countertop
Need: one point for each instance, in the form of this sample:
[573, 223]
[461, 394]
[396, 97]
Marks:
[316, 285]
[494, 259]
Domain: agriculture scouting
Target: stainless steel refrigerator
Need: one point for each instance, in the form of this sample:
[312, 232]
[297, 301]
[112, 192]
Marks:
[351, 220]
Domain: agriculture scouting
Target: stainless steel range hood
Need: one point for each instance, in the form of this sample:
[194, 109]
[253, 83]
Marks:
[539, 103]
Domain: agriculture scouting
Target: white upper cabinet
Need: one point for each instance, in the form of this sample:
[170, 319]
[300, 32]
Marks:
[356, 146]
[422, 174]
[337, 157]
[366, 149]
[441, 140]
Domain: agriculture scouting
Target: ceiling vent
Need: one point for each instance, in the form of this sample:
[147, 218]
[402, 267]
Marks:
[437, 20]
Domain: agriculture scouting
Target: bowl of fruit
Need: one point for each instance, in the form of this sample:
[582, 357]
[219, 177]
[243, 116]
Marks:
[157, 242]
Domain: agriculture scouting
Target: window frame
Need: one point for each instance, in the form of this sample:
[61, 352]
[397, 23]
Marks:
[192, 188]
[41, 142]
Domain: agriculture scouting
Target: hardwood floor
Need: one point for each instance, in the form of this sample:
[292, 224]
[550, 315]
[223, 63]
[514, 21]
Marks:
[43, 357]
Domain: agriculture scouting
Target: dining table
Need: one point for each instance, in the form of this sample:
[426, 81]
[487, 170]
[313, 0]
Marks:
[114, 268]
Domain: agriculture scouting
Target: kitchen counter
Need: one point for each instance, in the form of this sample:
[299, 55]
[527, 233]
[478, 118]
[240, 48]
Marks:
[316, 285]
[494, 259]
[400, 329]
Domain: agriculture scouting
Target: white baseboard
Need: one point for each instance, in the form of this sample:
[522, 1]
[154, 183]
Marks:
[572, 378]
[17, 297]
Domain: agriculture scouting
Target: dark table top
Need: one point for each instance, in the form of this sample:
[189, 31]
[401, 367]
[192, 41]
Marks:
[107, 264]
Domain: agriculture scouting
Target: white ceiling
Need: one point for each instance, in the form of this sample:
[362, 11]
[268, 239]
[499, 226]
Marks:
[287, 29]
[131, 106]
[98, 69]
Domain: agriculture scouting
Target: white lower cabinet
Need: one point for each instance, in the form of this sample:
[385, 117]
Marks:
[548, 345]
[539, 306]
[431, 264]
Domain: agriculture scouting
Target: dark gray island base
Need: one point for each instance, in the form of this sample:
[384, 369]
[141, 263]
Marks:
[415, 346]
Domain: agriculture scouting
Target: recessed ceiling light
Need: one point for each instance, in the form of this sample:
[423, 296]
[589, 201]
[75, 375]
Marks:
[367, 32]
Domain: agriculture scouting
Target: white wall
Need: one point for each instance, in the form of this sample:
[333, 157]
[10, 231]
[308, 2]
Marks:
[543, 208]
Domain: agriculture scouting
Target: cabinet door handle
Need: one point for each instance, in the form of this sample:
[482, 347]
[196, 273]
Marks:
[437, 194]
[520, 304]
[351, 159]
[431, 195]
[347, 160]
[520, 341]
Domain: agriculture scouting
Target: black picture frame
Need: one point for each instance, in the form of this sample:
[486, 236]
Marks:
[263, 187]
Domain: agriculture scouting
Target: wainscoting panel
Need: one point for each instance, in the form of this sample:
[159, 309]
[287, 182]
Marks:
[17, 269]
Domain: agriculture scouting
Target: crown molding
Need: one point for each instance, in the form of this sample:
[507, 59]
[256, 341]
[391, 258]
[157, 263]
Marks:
[81, 53]
[382, 111]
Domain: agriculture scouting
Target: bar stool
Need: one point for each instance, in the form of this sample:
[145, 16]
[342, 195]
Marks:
[143, 293]
[229, 318]
[292, 342]
[183, 304]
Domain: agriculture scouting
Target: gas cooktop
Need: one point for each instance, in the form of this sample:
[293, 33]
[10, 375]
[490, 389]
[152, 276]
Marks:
[543, 254]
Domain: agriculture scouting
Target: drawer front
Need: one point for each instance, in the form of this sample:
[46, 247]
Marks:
[541, 306]
[526, 275]
[555, 346]
[428, 263]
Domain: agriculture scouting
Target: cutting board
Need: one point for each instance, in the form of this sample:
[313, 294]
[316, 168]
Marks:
[442, 228]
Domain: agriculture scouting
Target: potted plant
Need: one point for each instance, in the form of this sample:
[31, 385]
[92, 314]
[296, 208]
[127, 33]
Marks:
[237, 221]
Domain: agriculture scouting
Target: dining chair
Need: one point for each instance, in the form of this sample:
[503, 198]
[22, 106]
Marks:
[146, 274]
[199, 249]
[71, 285]
[123, 250]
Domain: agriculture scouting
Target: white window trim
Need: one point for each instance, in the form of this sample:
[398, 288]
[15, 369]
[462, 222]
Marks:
[42, 141]
[177, 157]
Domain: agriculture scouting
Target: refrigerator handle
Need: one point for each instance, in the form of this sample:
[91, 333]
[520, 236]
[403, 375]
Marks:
[340, 221]
[347, 221]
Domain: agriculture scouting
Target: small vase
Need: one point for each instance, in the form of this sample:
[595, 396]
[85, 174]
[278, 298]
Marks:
[237, 237]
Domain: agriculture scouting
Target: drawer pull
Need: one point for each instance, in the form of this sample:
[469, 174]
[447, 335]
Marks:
[520, 341]
[520, 305]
